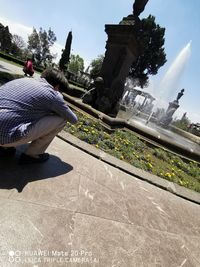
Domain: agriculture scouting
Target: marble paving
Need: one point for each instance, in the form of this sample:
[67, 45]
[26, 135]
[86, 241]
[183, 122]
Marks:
[76, 210]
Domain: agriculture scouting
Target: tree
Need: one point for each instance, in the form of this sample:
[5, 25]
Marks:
[76, 64]
[18, 45]
[95, 66]
[39, 44]
[183, 123]
[5, 38]
[11, 43]
[151, 39]
[66, 52]
[34, 45]
[18, 41]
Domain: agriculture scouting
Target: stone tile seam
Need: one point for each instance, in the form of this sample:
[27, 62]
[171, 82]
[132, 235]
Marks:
[174, 235]
[54, 207]
[59, 208]
[38, 204]
[124, 199]
[127, 171]
[75, 212]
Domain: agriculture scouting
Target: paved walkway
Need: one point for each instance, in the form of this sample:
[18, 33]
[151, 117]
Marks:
[76, 210]
[10, 68]
[77, 205]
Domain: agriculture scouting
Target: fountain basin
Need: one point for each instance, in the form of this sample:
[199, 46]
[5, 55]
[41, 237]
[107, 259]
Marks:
[157, 136]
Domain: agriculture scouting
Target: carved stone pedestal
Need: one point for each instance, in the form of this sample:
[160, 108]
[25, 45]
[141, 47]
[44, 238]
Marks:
[121, 52]
[167, 118]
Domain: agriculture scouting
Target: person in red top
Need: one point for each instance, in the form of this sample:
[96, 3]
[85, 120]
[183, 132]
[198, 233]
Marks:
[28, 67]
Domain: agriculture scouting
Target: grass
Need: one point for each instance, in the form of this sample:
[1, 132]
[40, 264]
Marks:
[128, 147]
[16, 64]
[6, 77]
[11, 62]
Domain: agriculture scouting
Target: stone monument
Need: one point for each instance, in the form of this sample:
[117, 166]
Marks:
[173, 106]
[122, 49]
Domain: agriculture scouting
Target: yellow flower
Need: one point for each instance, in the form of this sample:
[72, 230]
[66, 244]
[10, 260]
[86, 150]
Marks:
[97, 145]
[93, 132]
[180, 182]
[167, 174]
[122, 157]
[149, 165]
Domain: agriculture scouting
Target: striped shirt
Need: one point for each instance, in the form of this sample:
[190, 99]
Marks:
[25, 101]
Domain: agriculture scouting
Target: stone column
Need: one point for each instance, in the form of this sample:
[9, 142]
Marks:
[121, 51]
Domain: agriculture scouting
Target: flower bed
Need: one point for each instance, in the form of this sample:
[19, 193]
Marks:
[127, 146]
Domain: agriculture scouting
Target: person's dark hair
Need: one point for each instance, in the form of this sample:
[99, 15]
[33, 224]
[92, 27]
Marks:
[55, 77]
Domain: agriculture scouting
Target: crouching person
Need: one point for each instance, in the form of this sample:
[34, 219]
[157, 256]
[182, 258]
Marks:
[33, 111]
[28, 67]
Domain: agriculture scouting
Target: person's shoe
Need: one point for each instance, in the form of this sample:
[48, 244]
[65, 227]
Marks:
[7, 151]
[26, 159]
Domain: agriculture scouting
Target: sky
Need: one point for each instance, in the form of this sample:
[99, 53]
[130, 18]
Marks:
[87, 19]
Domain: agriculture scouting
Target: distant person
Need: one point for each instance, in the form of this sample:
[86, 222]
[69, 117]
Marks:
[28, 67]
[33, 110]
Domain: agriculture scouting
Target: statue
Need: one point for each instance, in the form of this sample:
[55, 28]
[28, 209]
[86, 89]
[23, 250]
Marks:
[180, 94]
[138, 7]
[95, 91]
[173, 106]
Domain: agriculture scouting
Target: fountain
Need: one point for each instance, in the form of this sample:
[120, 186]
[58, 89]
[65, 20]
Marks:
[159, 126]
[133, 118]
[102, 100]
[167, 88]
[170, 82]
